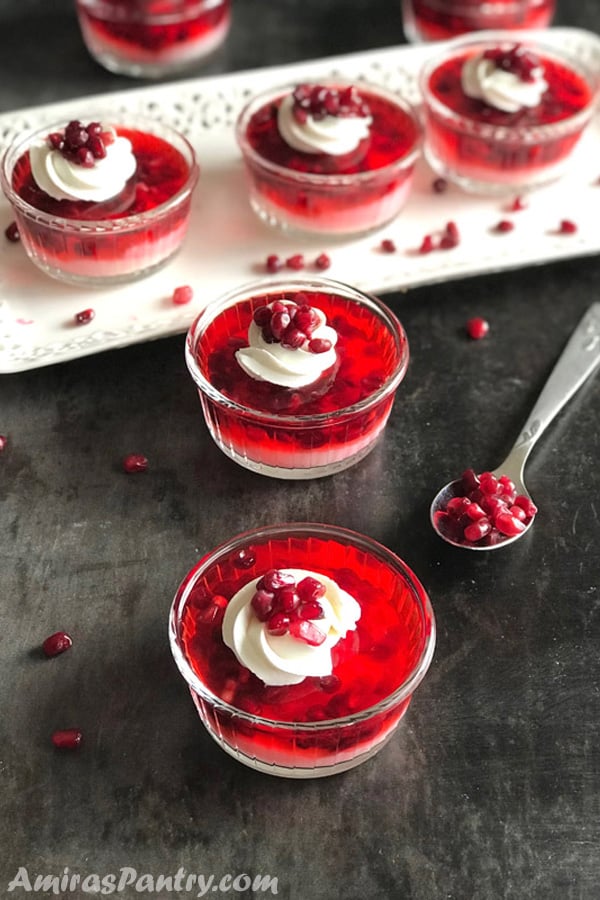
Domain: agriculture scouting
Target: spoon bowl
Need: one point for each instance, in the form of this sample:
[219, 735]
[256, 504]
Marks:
[577, 362]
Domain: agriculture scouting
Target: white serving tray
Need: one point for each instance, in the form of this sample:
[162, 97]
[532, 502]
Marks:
[227, 244]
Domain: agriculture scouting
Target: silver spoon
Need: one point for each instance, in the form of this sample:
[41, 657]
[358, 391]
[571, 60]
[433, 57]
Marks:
[576, 363]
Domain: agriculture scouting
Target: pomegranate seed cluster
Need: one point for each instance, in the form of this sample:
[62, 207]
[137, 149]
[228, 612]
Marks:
[319, 101]
[81, 144]
[516, 59]
[287, 607]
[486, 510]
[291, 325]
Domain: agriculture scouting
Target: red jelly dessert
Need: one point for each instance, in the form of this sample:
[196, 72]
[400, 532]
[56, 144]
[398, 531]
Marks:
[302, 645]
[501, 115]
[438, 20]
[152, 38]
[296, 378]
[329, 158]
[98, 203]
[484, 510]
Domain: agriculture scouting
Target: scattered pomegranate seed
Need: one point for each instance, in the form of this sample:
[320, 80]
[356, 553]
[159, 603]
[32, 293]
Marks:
[182, 295]
[67, 739]
[427, 244]
[85, 316]
[12, 233]
[477, 328]
[322, 261]
[567, 227]
[387, 246]
[295, 262]
[451, 236]
[245, 559]
[273, 263]
[3, 442]
[440, 185]
[504, 225]
[57, 643]
[134, 462]
[517, 205]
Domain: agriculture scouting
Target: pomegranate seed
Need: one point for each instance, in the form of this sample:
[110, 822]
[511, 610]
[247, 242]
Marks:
[245, 559]
[322, 261]
[274, 579]
[526, 504]
[278, 624]
[304, 630]
[85, 316]
[182, 295]
[567, 227]
[134, 462]
[503, 226]
[12, 233]
[67, 739]
[470, 480]
[287, 599]
[477, 530]
[427, 244]
[477, 328]
[387, 246]
[57, 643]
[517, 205]
[451, 237]
[474, 511]
[458, 505]
[518, 512]
[295, 262]
[508, 525]
[273, 263]
[319, 345]
[262, 604]
[310, 589]
[440, 186]
[312, 610]
[3, 442]
[329, 683]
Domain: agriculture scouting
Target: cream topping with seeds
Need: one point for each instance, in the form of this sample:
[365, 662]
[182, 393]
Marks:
[283, 659]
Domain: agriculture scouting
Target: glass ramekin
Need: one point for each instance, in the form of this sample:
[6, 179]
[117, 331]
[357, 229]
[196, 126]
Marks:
[145, 39]
[287, 445]
[327, 746]
[103, 252]
[439, 20]
[483, 157]
[335, 205]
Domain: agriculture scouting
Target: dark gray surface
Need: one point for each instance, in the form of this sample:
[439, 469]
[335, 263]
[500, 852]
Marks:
[490, 788]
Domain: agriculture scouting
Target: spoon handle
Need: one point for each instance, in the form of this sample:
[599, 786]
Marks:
[575, 364]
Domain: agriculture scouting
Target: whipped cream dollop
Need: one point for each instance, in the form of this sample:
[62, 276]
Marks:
[286, 366]
[335, 135]
[64, 179]
[284, 659]
[506, 90]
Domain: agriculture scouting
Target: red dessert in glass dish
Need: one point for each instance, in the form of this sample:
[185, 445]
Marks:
[101, 203]
[438, 20]
[329, 158]
[296, 378]
[502, 115]
[301, 645]
[152, 38]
